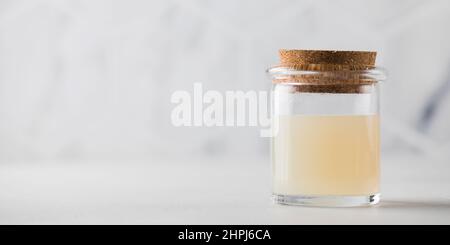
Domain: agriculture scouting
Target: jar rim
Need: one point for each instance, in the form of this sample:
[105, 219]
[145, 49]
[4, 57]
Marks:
[303, 76]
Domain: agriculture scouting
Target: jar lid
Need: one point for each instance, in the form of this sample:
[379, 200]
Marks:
[314, 60]
[327, 70]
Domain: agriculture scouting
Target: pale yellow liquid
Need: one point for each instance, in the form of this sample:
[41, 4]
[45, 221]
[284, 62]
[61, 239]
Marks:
[326, 155]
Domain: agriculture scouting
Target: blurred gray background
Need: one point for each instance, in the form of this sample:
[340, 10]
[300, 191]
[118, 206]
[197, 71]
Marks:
[92, 80]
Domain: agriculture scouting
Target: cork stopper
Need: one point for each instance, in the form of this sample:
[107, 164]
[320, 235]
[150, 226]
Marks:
[327, 59]
[331, 67]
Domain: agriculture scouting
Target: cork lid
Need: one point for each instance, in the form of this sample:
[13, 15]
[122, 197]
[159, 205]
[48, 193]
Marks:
[327, 59]
[326, 70]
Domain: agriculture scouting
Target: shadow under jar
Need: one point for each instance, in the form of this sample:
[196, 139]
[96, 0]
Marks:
[326, 138]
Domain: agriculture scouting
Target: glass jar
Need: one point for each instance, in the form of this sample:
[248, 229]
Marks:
[325, 146]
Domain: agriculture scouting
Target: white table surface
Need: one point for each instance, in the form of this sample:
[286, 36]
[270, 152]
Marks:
[415, 190]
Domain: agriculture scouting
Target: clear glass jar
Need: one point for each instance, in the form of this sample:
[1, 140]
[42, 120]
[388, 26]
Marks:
[326, 142]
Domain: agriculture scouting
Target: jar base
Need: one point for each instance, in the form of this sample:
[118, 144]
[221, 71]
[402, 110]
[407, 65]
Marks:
[326, 201]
